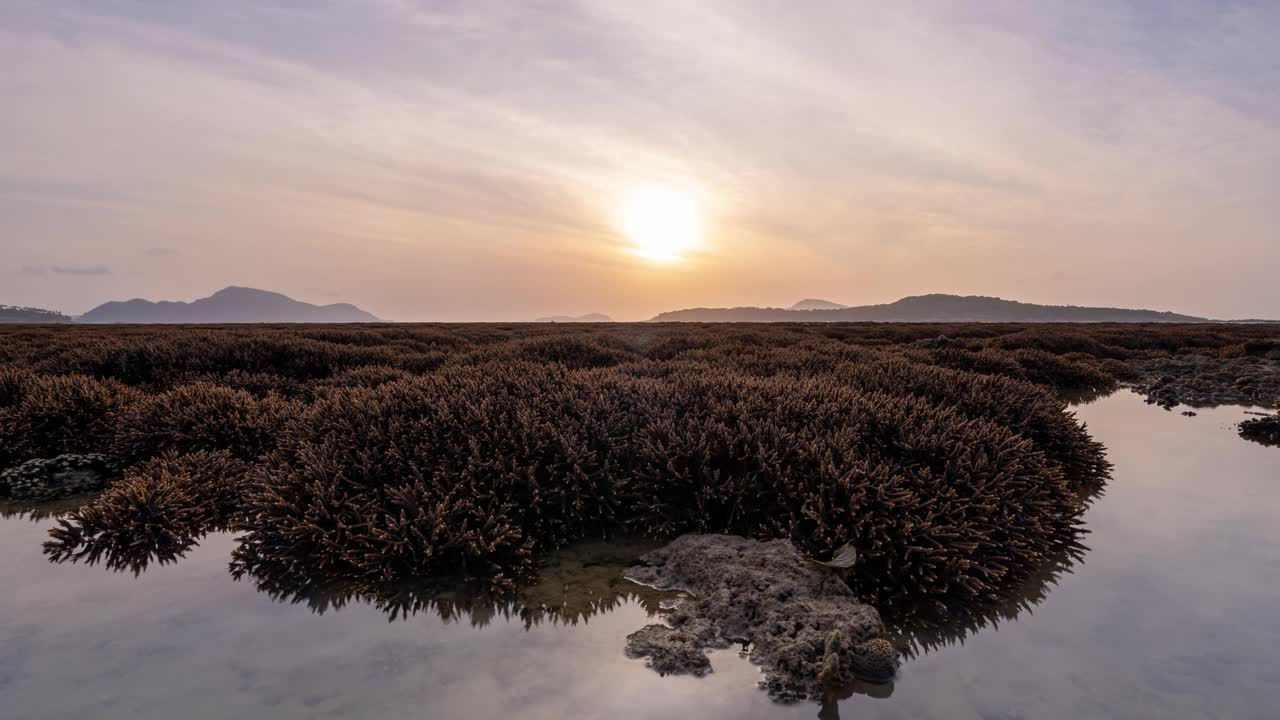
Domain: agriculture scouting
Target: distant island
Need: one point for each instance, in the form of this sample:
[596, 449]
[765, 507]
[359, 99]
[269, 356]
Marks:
[229, 305]
[12, 314]
[588, 318]
[926, 308]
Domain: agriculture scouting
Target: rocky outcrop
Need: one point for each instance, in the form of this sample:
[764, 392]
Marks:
[805, 628]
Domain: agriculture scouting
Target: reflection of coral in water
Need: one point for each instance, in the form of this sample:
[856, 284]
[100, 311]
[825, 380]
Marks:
[38, 512]
[574, 585]
[917, 631]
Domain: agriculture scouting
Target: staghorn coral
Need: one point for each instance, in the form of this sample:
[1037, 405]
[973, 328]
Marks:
[1060, 371]
[200, 416]
[364, 376]
[59, 414]
[1024, 408]
[261, 385]
[154, 514]
[478, 469]
[13, 385]
[469, 470]
[945, 453]
[925, 494]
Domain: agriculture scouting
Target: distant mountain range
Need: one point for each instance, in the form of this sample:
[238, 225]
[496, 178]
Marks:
[925, 308]
[588, 318]
[10, 314]
[230, 305]
[811, 304]
[246, 305]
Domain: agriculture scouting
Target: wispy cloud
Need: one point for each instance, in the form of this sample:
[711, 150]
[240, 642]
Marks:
[66, 269]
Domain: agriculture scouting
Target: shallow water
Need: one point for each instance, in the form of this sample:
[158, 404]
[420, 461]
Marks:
[1171, 613]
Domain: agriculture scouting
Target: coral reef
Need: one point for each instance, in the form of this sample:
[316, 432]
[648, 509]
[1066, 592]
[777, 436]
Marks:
[384, 453]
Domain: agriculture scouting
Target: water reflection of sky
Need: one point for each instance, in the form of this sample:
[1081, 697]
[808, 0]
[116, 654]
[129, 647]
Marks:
[1171, 614]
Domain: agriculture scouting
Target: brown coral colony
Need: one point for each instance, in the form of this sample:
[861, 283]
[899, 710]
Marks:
[944, 454]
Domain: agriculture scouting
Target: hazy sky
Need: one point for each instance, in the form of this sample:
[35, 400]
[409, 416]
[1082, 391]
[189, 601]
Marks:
[471, 159]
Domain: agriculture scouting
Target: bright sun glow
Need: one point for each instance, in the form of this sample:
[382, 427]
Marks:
[662, 223]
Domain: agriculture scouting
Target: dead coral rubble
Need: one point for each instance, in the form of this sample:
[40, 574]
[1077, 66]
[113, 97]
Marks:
[1265, 430]
[805, 628]
[1202, 380]
[57, 477]
[671, 651]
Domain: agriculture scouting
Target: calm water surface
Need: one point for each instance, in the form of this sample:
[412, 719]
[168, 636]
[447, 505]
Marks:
[1172, 613]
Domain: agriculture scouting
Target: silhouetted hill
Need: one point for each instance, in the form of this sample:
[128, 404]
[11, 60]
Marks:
[14, 314]
[930, 308]
[588, 318]
[813, 304]
[230, 305]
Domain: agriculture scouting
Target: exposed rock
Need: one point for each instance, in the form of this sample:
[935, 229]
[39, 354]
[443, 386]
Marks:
[670, 651]
[52, 478]
[805, 627]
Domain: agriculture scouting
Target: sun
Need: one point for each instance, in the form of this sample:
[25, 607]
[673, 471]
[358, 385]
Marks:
[662, 223]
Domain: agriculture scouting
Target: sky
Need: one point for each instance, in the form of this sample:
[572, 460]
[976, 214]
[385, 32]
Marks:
[463, 160]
